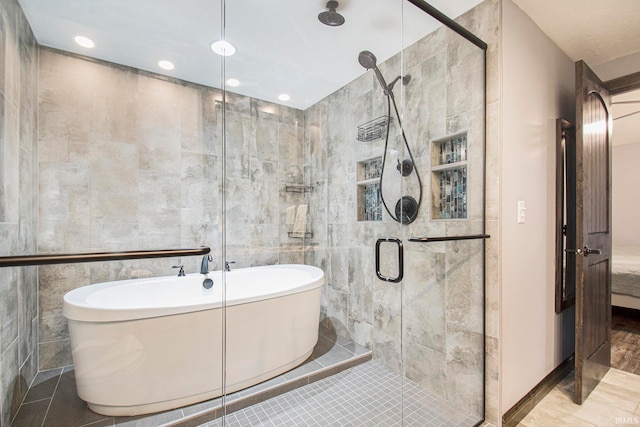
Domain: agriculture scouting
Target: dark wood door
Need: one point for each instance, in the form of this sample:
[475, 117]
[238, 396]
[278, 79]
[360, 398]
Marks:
[592, 231]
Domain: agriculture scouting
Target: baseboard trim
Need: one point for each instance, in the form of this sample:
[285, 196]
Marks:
[520, 410]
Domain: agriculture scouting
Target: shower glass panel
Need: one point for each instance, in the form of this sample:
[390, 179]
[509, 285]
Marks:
[443, 289]
[129, 157]
[336, 136]
[346, 136]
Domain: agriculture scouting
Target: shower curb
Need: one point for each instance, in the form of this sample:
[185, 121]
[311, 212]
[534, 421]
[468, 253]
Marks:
[237, 404]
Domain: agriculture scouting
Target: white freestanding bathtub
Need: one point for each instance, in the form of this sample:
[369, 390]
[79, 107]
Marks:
[149, 345]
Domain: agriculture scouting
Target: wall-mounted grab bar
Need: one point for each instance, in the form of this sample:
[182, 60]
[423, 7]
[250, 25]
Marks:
[448, 238]
[46, 259]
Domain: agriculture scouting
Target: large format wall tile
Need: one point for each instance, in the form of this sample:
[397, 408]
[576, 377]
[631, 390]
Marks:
[436, 315]
[424, 299]
[18, 286]
[144, 156]
[129, 160]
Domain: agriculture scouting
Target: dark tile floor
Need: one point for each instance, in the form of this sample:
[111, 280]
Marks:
[52, 400]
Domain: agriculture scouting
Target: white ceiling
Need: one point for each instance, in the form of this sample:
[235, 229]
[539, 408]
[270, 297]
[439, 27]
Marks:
[282, 47]
[606, 35]
[596, 31]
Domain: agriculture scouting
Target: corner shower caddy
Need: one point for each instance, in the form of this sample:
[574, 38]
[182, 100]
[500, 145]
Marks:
[374, 129]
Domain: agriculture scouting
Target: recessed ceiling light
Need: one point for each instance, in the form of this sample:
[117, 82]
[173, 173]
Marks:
[166, 65]
[84, 41]
[233, 82]
[284, 97]
[223, 48]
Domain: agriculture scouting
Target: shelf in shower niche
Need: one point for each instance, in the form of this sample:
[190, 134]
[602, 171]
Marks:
[298, 188]
[456, 165]
[369, 181]
[373, 129]
[300, 235]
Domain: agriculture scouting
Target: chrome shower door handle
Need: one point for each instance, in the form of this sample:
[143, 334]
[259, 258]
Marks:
[398, 242]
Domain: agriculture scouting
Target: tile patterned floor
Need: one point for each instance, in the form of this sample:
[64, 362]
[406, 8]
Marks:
[366, 395]
[52, 400]
[338, 386]
[614, 402]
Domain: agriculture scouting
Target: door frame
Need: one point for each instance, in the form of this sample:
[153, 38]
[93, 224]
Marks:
[623, 84]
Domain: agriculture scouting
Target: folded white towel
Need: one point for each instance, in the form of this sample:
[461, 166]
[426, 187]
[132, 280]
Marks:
[300, 226]
[291, 215]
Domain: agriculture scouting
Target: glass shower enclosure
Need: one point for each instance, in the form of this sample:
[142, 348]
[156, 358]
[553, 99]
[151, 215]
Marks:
[346, 135]
[354, 142]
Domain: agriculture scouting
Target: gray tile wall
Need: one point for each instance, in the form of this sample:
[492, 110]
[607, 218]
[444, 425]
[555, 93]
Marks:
[125, 159]
[129, 160]
[431, 326]
[18, 286]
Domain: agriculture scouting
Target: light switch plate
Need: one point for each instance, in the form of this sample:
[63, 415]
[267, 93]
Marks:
[522, 211]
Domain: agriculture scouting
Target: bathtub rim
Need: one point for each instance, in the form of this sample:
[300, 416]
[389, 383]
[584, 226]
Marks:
[76, 308]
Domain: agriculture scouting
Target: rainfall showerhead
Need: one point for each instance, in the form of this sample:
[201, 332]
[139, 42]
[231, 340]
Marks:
[331, 17]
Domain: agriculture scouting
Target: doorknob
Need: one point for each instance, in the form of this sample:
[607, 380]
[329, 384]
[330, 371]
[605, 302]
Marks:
[586, 252]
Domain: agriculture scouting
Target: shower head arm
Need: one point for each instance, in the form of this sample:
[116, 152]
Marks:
[405, 80]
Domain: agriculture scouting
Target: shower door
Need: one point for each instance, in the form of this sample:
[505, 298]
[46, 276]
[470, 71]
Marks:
[442, 292]
[345, 147]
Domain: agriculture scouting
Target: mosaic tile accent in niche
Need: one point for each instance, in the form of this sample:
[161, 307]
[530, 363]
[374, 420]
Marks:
[372, 168]
[449, 177]
[453, 193]
[368, 185]
[372, 202]
[453, 150]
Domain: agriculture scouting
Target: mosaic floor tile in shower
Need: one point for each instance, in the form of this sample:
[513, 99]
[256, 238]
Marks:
[52, 400]
[366, 395]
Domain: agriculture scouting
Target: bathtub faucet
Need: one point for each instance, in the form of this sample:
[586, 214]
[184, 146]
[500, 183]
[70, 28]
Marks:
[181, 272]
[226, 265]
[204, 267]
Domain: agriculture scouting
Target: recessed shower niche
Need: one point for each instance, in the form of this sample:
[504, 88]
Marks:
[368, 189]
[449, 177]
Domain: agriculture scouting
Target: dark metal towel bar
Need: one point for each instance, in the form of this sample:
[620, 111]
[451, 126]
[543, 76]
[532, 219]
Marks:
[448, 238]
[46, 259]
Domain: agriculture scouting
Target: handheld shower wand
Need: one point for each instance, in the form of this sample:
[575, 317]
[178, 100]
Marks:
[406, 210]
[368, 60]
